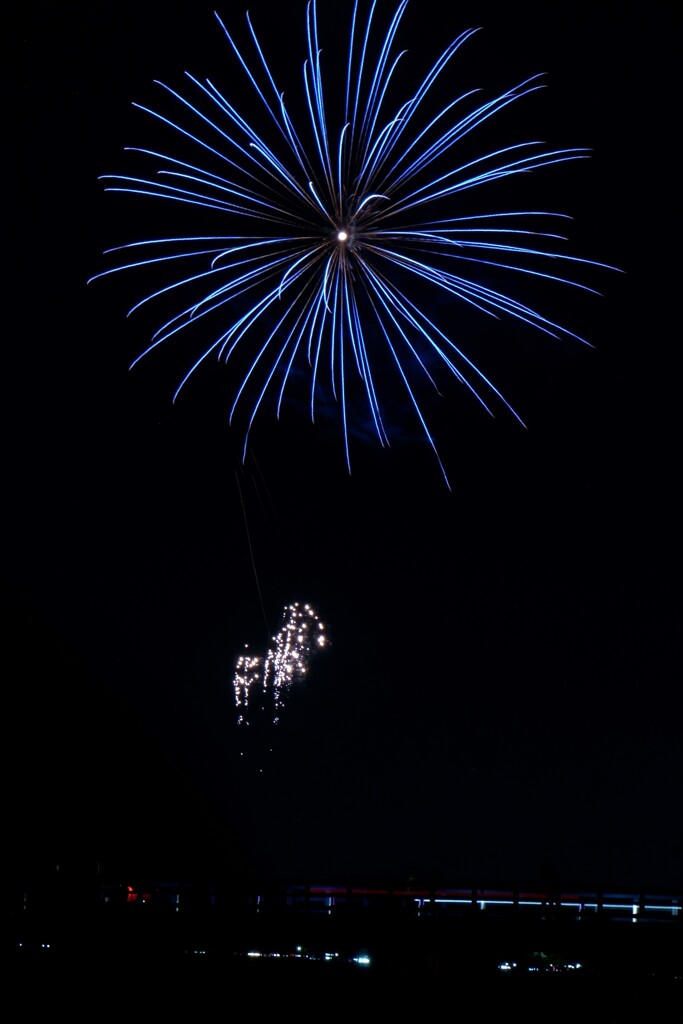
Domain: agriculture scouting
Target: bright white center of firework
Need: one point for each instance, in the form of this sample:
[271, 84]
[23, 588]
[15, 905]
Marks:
[342, 236]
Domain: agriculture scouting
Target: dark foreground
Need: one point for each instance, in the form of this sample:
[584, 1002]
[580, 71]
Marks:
[472, 968]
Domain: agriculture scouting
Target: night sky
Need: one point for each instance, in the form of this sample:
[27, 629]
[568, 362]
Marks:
[501, 697]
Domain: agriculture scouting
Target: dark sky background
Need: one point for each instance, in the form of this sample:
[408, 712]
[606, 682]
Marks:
[501, 699]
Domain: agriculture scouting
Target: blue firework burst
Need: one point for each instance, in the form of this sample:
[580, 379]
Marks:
[337, 222]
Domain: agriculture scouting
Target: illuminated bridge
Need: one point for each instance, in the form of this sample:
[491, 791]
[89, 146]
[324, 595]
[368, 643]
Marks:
[615, 906]
[411, 902]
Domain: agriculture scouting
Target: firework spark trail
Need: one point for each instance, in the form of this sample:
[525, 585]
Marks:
[350, 211]
[286, 662]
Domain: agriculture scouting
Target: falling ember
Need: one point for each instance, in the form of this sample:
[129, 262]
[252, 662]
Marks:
[261, 683]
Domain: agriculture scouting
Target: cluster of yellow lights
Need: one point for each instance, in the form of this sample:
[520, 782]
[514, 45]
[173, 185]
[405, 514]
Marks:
[301, 636]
